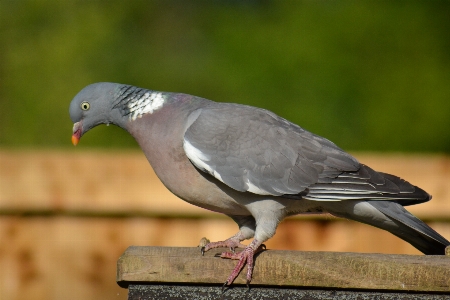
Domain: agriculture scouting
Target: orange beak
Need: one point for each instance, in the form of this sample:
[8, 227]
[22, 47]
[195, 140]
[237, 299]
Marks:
[75, 140]
[77, 132]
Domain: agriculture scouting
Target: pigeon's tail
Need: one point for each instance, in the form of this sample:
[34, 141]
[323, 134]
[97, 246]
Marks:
[392, 217]
[410, 228]
[378, 201]
[365, 184]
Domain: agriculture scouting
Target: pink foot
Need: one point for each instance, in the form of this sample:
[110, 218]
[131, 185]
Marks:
[246, 255]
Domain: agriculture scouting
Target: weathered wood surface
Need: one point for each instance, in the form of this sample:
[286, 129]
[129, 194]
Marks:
[140, 265]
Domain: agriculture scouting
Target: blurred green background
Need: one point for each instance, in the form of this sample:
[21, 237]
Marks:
[368, 75]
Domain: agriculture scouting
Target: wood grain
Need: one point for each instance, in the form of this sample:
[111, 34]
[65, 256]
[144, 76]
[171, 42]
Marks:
[288, 268]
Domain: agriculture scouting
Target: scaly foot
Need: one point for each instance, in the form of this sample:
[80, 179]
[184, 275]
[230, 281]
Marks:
[246, 255]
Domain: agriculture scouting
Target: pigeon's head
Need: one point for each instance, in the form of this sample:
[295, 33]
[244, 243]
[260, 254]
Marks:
[91, 107]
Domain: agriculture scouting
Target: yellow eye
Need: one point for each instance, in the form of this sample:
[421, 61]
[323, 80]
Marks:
[85, 105]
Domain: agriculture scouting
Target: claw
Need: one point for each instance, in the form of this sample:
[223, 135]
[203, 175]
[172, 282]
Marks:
[244, 257]
[224, 286]
[203, 251]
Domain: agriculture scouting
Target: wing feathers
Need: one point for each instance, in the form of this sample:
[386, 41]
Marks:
[366, 184]
[250, 149]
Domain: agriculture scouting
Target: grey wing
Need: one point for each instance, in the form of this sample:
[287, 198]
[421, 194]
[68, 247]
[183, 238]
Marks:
[254, 150]
[366, 184]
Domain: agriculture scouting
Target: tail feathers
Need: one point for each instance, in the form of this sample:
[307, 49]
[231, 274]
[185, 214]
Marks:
[411, 229]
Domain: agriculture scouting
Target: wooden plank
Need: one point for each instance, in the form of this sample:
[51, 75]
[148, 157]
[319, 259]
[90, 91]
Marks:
[59, 257]
[139, 265]
[85, 181]
[122, 182]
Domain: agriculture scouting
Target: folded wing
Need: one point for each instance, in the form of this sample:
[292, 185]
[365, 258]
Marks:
[254, 150]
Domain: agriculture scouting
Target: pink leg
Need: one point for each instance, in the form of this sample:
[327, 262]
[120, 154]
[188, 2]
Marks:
[246, 255]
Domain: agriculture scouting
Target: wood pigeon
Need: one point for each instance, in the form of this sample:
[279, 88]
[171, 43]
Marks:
[252, 165]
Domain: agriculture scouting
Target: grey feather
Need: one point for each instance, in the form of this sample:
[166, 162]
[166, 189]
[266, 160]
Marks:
[417, 232]
[365, 184]
[250, 146]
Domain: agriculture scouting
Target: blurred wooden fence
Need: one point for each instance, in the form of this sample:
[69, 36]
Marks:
[66, 217]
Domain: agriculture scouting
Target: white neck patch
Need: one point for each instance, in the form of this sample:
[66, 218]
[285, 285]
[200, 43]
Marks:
[147, 104]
